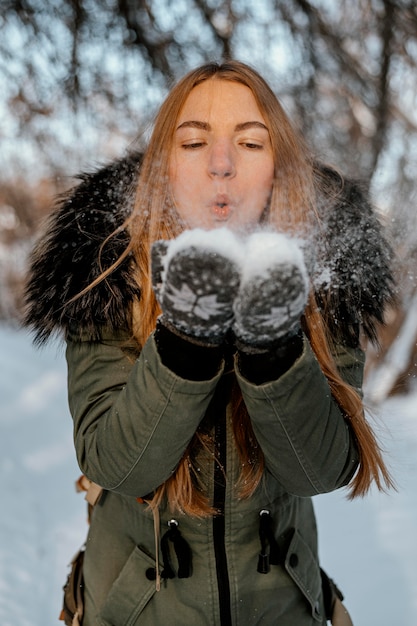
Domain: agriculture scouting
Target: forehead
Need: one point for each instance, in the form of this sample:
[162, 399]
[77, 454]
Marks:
[220, 100]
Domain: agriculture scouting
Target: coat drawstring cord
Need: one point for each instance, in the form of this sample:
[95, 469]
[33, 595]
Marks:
[266, 536]
[157, 534]
[182, 551]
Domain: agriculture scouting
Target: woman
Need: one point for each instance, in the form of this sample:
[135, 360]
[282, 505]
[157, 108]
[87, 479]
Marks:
[216, 389]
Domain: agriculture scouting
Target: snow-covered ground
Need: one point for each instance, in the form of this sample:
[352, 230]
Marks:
[369, 546]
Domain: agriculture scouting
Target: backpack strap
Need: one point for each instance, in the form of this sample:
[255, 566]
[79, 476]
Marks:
[336, 612]
[340, 616]
[93, 491]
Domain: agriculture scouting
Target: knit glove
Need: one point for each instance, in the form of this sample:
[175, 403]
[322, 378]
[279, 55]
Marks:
[273, 290]
[195, 278]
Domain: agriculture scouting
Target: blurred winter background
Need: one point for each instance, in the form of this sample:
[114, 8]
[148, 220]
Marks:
[79, 81]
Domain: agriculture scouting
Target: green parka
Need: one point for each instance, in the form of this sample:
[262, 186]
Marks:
[133, 422]
[134, 417]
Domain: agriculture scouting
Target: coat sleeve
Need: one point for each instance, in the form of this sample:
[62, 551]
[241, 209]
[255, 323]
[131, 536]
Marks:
[307, 443]
[132, 420]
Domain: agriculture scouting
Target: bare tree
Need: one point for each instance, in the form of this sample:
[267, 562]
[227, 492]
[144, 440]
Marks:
[337, 65]
[79, 79]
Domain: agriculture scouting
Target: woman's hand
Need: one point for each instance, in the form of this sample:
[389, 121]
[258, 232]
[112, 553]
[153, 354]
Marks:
[273, 290]
[207, 282]
[196, 278]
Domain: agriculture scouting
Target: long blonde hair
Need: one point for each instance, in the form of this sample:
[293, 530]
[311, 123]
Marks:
[292, 208]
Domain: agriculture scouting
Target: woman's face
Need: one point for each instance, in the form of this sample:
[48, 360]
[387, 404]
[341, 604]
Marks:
[221, 165]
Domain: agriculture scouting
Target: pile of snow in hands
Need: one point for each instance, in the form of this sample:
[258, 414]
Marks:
[254, 255]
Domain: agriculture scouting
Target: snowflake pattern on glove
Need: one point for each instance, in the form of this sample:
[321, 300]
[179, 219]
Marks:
[187, 301]
[273, 291]
[196, 282]
[210, 281]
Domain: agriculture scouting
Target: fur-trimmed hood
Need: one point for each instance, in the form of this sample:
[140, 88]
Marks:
[353, 280]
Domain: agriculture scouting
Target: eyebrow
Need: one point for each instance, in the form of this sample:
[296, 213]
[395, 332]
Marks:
[207, 127]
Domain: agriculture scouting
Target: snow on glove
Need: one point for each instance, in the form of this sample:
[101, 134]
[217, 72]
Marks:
[195, 278]
[273, 290]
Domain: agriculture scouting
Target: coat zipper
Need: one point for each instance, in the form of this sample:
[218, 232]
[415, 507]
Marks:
[219, 497]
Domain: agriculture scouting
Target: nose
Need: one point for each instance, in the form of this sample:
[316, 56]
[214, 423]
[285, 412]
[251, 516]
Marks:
[222, 160]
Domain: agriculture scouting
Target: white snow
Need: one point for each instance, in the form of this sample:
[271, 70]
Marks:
[255, 254]
[43, 520]
[368, 546]
[265, 249]
[219, 240]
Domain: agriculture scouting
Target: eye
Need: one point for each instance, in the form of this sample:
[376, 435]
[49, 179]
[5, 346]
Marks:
[192, 145]
[252, 146]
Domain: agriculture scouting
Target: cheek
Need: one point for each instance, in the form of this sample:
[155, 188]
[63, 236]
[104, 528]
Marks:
[181, 178]
[184, 192]
[262, 185]
[260, 176]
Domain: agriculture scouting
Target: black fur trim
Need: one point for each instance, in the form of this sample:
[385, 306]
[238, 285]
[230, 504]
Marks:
[67, 257]
[353, 280]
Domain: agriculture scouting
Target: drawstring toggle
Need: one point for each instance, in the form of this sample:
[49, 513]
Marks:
[182, 551]
[267, 539]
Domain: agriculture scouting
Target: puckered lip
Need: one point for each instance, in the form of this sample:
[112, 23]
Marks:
[221, 207]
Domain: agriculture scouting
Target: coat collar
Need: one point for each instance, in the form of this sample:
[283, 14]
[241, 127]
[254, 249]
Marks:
[352, 279]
